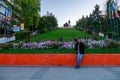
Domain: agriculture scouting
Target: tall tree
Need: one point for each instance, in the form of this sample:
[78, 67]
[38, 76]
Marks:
[29, 11]
[48, 23]
[91, 22]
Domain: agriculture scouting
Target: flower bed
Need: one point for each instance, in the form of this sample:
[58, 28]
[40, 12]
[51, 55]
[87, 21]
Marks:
[48, 44]
[89, 43]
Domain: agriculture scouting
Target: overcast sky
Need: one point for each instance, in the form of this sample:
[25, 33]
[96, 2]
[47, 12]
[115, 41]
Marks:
[72, 10]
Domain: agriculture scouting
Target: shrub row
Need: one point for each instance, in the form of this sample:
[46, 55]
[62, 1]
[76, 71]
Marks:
[22, 35]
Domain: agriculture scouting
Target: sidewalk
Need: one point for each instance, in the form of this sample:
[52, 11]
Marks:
[59, 73]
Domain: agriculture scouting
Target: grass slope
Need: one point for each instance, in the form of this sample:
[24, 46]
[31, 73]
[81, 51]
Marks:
[66, 34]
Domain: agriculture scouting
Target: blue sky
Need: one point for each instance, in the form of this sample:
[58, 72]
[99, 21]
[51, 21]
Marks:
[72, 10]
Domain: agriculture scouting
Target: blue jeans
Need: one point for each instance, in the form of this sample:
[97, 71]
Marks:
[79, 58]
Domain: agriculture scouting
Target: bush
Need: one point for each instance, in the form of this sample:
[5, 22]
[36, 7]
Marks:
[89, 32]
[95, 37]
[7, 46]
[1, 46]
[22, 35]
[109, 35]
[113, 45]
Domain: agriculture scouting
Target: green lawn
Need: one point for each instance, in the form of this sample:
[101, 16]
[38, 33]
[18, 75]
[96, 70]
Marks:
[66, 34]
[55, 51]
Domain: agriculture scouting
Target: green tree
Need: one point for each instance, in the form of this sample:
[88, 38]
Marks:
[29, 11]
[48, 23]
[92, 22]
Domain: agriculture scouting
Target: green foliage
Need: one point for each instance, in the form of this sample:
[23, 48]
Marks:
[48, 23]
[96, 23]
[62, 51]
[28, 10]
[103, 50]
[113, 44]
[22, 35]
[91, 23]
[7, 46]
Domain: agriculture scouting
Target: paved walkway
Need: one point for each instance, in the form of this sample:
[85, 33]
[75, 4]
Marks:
[59, 73]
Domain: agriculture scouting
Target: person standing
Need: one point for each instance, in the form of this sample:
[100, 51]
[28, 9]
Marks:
[79, 48]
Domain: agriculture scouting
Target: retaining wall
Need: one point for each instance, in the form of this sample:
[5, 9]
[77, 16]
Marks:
[59, 59]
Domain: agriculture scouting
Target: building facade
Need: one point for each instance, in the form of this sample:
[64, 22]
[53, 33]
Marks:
[5, 18]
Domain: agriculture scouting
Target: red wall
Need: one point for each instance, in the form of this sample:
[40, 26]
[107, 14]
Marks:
[59, 59]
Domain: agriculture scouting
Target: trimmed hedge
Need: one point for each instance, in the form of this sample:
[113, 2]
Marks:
[56, 51]
[22, 35]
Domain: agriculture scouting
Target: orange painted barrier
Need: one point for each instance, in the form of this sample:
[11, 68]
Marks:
[59, 59]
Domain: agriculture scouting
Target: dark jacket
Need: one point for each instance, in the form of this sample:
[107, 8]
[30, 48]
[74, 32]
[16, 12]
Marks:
[81, 47]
